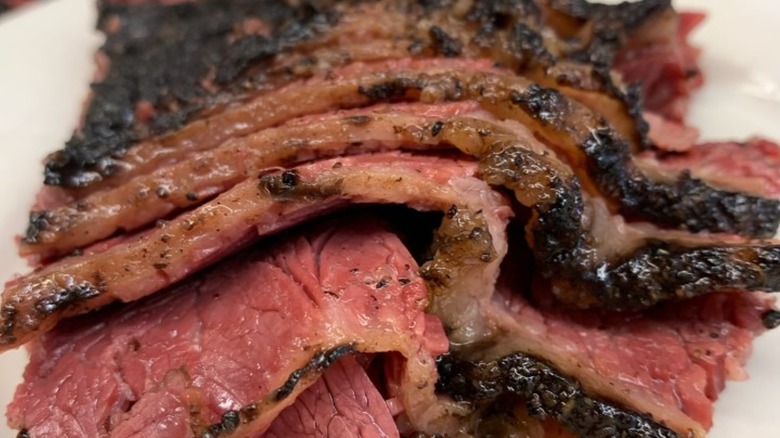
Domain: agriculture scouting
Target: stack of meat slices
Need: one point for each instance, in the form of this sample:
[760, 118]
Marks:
[510, 248]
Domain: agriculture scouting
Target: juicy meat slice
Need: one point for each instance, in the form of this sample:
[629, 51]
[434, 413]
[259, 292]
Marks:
[670, 362]
[566, 248]
[752, 166]
[177, 248]
[141, 94]
[229, 349]
[601, 155]
[149, 197]
[343, 403]
[669, 72]
[325, 92]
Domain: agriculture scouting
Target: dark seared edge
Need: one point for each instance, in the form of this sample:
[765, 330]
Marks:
[546, 393]
[60, 301]
[655, 272]
[667, 272]
[624, 16]
[687, 203]
[39, 221]
[612, 24]
[162, 55]
[231, 420]
[771, 319]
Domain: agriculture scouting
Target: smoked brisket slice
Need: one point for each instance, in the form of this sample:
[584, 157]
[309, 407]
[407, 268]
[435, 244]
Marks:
[256, 207]
[166, 65]
[572, 130]
[671, 361]
[223, 353]
[563, 239]
[343, 403]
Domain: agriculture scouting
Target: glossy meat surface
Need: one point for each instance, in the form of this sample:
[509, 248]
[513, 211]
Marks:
[228, 342]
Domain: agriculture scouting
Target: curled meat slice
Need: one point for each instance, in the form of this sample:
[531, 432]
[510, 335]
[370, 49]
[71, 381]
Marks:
[601, 158]
[222, 354]
[545, 393]
[142, 95]
[563, 242]
[149, 197]
[175, 249]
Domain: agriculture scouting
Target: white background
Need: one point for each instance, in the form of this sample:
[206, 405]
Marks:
[46, 63]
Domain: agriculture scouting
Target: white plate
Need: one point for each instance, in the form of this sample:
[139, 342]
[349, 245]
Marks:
[46, 63]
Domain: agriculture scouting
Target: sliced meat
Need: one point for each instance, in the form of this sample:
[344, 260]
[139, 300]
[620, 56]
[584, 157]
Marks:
[669, 73]
[149, 197]
[139, 95]
[751, 166]
[647, 273]
[668, 363]
[202, 236]
[601, 156]
[228, 350]
[343, 403]
[671, 362]
[337, 89]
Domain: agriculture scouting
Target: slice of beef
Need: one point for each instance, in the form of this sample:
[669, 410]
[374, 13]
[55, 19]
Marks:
[599, 154]
[255, 207]
[343, 403]
[669, 73]
[146, 198]
[565, 245]
[167, 68]
[669, 363]
[322, 93]
[226, 351]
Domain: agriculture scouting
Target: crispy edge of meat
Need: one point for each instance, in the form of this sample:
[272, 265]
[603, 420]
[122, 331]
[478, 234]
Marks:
[508, 31]
[561, 240]
[545, 392]
[574, 131]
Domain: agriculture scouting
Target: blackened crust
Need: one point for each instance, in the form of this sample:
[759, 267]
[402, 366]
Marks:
[657, 271]
[663, 271]
[771, 319]
[39, 221]
[58, 301]
[321, 361]
[624, 16]
[686, 203]
[162, 55]
[545, 392]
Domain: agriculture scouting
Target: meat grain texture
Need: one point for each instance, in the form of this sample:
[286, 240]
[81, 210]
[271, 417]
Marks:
[528, 240]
